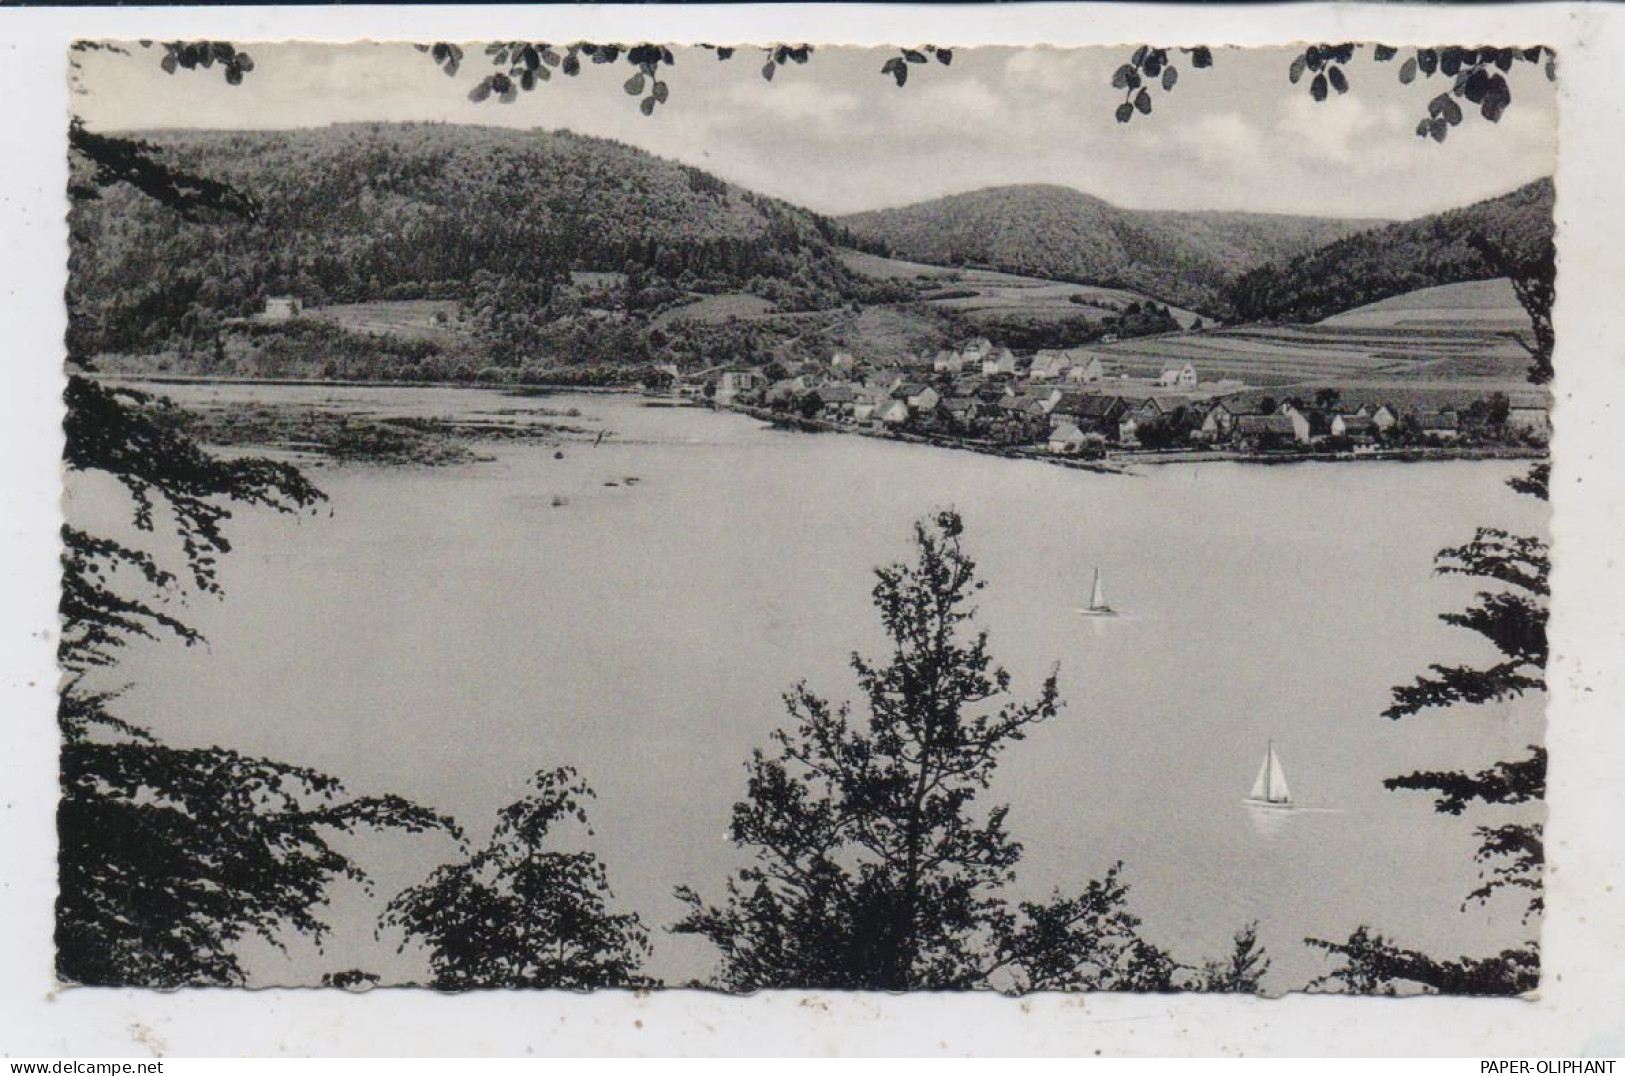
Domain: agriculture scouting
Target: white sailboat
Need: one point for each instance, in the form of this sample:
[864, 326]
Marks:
[1270, 789]
[1097, 600]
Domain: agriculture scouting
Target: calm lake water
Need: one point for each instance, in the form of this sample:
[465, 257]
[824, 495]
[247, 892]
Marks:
[444, 633]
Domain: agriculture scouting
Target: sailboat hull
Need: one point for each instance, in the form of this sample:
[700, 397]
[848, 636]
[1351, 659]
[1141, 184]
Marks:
[1097, 612]
[1267, 805]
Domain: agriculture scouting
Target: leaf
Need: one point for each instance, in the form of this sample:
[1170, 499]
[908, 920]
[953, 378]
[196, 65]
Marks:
[1139, 55]
[1170, 75]
[659, 91]
[1384, 53]
[234, 76]
[725, 52]
[1532, 55]
[1450, 62]
[1336, 78]
[168, 63]
[634, 85]
[481, 90]
[1451, 111]
[543, 74]
[767, 70]
[1201, 56]
[647, 106]
[1125, 112]
[1551, 70]
[1477, 81]
[527, 80]
[245, 62]
[1142, 101]
[1153, 65]
[550, 58]
[440, 52]
[1317, 88]
[1496, 99]
[1407, 71]
[572, 65]
[1120, 77]
[1313, 57]
[914, 56]
[945, 56]
[1438, 129]
[1295, 72]
[1423, 127]
[1427, 60]
[530, 57]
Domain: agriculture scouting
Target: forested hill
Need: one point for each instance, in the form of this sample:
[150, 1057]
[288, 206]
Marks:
[385, 211]
[1396, 259]
[1185, 258]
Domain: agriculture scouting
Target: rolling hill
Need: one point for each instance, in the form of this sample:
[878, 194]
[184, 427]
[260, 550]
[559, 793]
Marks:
[1185, 258]
[1397, 259]
[369, 212]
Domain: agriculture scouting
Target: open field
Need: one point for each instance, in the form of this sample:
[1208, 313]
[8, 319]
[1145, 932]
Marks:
[1002, 293]
[408, 319]
[1479, 304]
[1323, 354]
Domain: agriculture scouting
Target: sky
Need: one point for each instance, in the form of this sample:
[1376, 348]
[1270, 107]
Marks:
[836, 136]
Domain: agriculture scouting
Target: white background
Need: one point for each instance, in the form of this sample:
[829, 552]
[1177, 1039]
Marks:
[1581, 1008]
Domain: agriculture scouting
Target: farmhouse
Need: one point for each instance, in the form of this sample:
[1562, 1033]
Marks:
[890, 413]
[737, 381]
[1085, 368]
[1276, 428]
[1536, 421]
[1066, 439]
[1353, 425]
[998, 361]
[918, 397]
[1049, 365]
[1445, 425]
[1178, 376]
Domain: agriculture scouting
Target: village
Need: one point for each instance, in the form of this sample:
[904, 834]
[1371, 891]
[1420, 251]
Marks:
[1075, 403]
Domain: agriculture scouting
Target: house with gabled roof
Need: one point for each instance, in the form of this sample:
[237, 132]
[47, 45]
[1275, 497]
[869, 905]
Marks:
[918, 396]
[999, 360]
[1445, 425]
[890, 413]
[1066, 439]
[1049, 365]
[1181, 376]
[1276, 428]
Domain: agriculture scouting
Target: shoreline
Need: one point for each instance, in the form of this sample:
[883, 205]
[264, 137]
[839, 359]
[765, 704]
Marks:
[1118, 463]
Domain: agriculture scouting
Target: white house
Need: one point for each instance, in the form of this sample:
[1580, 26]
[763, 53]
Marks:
[890, 413]
[1085, 369]
[1066, 439]
[998, 361]
[1049, 364]
[734, 383]
[1178, 376]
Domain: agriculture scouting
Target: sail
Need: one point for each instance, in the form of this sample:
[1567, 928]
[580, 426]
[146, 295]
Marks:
[1270, 785]
[1278, 790]
[1097, 599]
[1261, 787]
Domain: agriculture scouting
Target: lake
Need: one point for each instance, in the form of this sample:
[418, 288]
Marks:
[443, 633]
